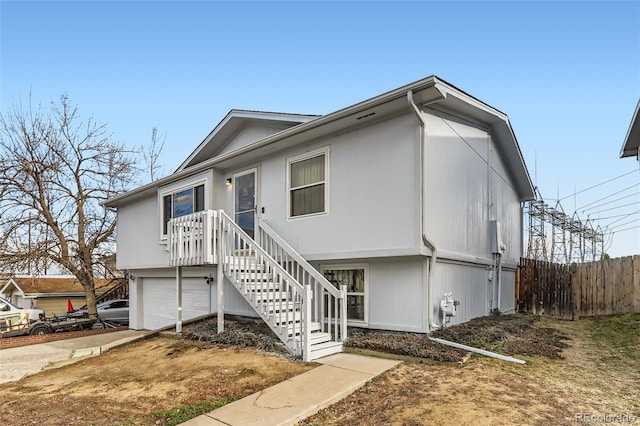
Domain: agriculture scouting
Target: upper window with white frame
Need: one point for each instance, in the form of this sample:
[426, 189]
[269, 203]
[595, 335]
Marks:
[307, 177]
[181, 202]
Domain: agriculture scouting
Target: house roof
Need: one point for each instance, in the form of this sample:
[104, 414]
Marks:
[235, 121]
[631, 145]
[54, 286]
[428, 91]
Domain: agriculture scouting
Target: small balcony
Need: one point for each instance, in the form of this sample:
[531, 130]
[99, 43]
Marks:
[192, 239]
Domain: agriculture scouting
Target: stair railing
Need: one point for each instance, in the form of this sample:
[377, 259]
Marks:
[243, 256]
[330, 310]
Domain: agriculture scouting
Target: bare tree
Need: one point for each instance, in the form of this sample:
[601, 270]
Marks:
[151, 154]
[55, 170]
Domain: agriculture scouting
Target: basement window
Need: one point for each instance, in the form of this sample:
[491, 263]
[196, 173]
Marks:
[355, 277]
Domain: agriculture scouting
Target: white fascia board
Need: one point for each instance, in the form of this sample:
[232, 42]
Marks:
[631, 145]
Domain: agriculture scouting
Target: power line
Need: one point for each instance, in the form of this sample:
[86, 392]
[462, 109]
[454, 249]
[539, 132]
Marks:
[599, 184]
[627, 229]
[623, 224]
[613, 217]
[609, 202]
[623, 217]
[619, 207]
[610, 195]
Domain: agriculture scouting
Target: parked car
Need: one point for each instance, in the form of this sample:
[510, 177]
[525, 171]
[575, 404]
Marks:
[112, 310]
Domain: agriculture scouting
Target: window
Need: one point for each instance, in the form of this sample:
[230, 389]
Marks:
[307, 178]
[355, 278]
[182, 203]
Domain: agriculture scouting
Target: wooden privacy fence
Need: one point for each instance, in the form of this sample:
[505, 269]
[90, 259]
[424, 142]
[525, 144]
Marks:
[609, 286]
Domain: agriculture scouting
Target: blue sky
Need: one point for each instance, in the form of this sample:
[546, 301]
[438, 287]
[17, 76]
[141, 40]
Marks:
[566, 73]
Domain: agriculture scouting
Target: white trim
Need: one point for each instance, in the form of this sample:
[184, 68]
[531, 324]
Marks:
[307, 155]
[205, 178]
[352, 266]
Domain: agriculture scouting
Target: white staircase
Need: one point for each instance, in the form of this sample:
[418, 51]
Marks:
[302, 308]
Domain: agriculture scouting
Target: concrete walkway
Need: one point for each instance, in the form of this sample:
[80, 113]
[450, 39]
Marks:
[25, 360]
[295, 399]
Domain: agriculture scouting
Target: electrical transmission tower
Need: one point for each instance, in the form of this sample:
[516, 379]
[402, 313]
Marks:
[575, 239]
[559, 226]
[537, 246]
[571, 239]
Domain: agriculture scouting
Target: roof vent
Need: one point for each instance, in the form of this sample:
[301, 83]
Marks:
[366, 115]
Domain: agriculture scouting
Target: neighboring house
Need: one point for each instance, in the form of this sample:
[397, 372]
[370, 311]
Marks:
[49, 293]
[394, 202]
[631, 146]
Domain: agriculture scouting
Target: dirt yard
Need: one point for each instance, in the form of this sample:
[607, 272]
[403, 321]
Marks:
[597, 373]
[588, 366]
[127, 385]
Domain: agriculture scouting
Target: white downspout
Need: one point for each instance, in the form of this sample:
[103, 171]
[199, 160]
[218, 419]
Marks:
[425, 238]
[499, 279]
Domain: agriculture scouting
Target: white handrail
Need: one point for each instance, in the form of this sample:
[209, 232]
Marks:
[272, 262]
[263, 225]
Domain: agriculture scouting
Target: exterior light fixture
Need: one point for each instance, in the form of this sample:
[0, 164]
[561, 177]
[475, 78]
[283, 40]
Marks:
[228, 181]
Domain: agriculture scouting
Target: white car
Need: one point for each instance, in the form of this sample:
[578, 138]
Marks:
[15, 319]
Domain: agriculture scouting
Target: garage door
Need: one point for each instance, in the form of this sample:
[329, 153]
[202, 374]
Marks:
[159, 300]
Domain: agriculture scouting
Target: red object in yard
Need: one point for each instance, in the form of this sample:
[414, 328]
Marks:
[69, 306]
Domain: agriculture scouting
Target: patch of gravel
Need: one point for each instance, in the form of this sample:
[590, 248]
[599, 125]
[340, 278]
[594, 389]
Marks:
[236, 333]
[507, 334]
[408, 344]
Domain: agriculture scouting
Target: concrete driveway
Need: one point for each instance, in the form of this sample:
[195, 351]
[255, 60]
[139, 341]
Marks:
[22, 361]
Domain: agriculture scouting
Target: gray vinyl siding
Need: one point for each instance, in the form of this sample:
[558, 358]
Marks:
[468, 186]
[464, 194]
[396, 294]
[138, 235]
[373, 217]
[249, 134]
[372, 202]
[468, 283]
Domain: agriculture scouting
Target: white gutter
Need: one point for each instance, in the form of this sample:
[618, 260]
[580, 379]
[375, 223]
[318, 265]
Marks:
[423, 215]
[478, 351]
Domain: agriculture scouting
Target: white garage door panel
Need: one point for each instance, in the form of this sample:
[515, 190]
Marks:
[159, 300]
[195, 298]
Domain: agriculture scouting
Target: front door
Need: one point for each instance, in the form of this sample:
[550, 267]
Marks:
[244, 200]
